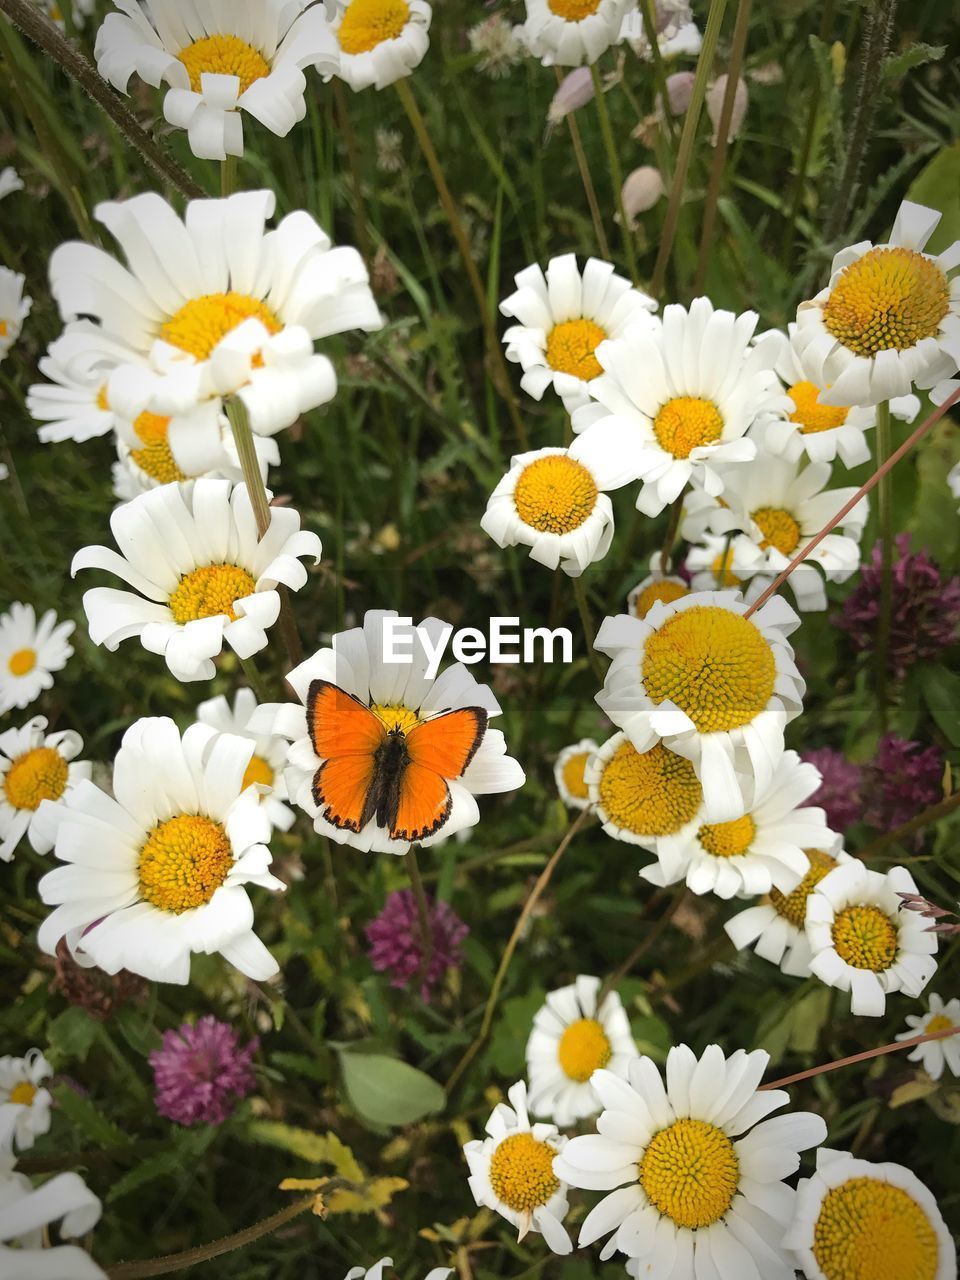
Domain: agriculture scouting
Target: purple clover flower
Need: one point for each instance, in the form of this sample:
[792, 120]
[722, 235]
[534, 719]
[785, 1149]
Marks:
[839, 792]
[905, 778]
[396, 946]
[202, 1072]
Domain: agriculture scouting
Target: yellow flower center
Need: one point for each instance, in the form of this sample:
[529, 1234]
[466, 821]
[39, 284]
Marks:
[810, 414]
[715, 665]
[940, 1022]
[690, 1173]
[572, 774]
[23, 1094]
[203, 322]
[870, 1230]
[555, 494]
[779, 529]
[4, 328]
[257, 771]
[866, 938]
[223, 56]
[889, 299]
[571, 347]
[368, 23]
[728, 839]
[102, 401]
[212, 590]
[184, 862]
[584, 1049]
[573, 10]
[793, 906]
[650, 794]
[722, 571]
[40, 774]
[663, 591]
[22, 662]
[395, 717]
[155, 457]
[685, 423]
[521, 1172]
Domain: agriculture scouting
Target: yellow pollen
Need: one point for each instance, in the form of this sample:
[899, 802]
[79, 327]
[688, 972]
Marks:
[40, 774]
[940, 1022]
[889, 299]
[555, 494]
[779, 529]
[572, 774]
[203, 322]
[368, 23]
[22, 662]
[184, 862]
[722, 571]
[573, 10]
[714, 664]
[870, 1230]
[4, 328]
[571, 346]
[685, 423]
[223, 55]
[584, 1049]
[690, 1173]
[210, 591]
[155, 458]
[521, 1172]
[810, 414]
[398, 717]
[650, 794]
[257, 771]
[866, 938]
[793, 906]
[23, 1094]
[102, 401]
[664, 591]
[728, 839]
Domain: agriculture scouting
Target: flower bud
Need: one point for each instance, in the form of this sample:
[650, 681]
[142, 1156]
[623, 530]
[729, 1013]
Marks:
[575, 90]
[641, 191]
[715, 96]
[680, 91]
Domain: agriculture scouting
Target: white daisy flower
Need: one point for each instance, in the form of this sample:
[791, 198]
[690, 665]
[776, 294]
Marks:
[199, 573]
[402, 697]
[688, 388]
[572, 1037]
[14, 308]
[888, 319]
[30, 651]
[695, 1170]
[269, 752]
[763, 850]
[34, 766]
[855, 1218]
[568, 773]
[215, 305]
[712, 561]
[24, 1102]
[863, 942]
[935, 1054]
[563, 316]
[73, 403]
[26, 1216]
[159, 870]
[656, 586]
[10, 181]
[511, 1171]
[640, 796]
[218, 61]
[776, 925]
[677, 33]
[376, 1272]
[714, 686]
[79, 11]
[375, 42]
[565, 33]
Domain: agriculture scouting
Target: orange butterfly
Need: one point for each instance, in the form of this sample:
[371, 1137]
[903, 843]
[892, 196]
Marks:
[398, 776]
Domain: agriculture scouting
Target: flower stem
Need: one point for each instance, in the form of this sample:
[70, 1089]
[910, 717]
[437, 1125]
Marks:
[645, 943]
[253, 678]
[670, 534]
[649, 16]
[228, 176]
[885, 522]
[923, 819]
[616, 170]
[588, 187]
[895, 1047]
[423, 916]
[589, 630]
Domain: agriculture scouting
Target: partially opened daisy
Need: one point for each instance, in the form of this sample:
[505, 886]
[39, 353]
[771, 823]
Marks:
[30, 651]
[200, 576]
[935, 1054]
[14, 308]
[656, 586]
[695, 1170]
[568, 773]
[640, 796]
[563, 315]
[24, 1101]
[688, 389]
[27, 1214]
[511, 1171]
[573, 1036]
[863, 942]
[856, 1220]
[565, 33]
[160, 869]
[34, 766]
[714, 686]
[888, 320]
[375, 42]
[266, 766]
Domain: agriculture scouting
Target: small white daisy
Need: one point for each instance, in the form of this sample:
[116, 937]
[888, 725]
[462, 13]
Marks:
[714, 562]
[856, 1219]
[563, 315]
[511, 1171]
[30, 651]
[14, 308]
[269, 752]
[375, 42]
[640, 796]
[695, 1170]
[568, 773]
[565, 33]
[888, 320]
[656, 586]
[199, 573]
[10, 181]
[27, 1213]
[935, 1054]
[159, 869]
[572, 1037]
[376, 1271]
[24, 1102]
[73, 403]
[35, 766]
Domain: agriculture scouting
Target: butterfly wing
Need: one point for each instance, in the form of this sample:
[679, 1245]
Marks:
[348, 735]
[344, 791]
[438, 749]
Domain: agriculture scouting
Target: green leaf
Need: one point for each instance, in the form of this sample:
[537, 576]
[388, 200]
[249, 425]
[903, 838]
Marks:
[941, 693]
[898, 64]
[511, 1031]
[188, 1147]
[71, 1034]
[938, 187]
[83, 1115]
[386, 1091]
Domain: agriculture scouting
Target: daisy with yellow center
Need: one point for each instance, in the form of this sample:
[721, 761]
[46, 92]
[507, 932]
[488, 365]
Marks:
[690, 1164]
[863, 942]
[511, 1171]
[656, 588]
[24, 1102]
[641, 796]
[31, 650]
[711, 685]
[159, 870]
[568, 772]
[14, 308]
[935, 1055]
[566, 33]
[718, 563]
[888, 320]
[200, 575]
[572, 1037]
[563, 315]
[265, 770]
[856, 1220]
[374, 42]
[35, 766]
